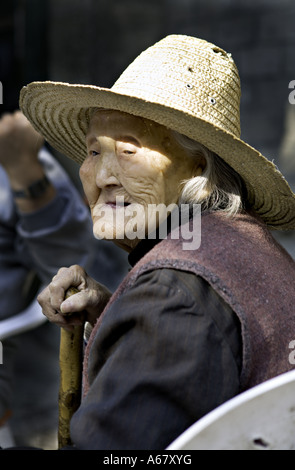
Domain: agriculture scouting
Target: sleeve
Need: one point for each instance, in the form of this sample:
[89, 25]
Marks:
[167, 352]
[12, 271]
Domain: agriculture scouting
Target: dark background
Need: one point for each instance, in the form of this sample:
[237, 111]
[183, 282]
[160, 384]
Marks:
[92, 41]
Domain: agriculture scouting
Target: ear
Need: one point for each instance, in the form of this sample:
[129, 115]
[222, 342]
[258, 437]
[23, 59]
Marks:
[201, 164]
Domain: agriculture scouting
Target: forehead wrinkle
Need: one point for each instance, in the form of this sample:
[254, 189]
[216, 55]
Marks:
[116, 118]
[129, 139]
[125, 127]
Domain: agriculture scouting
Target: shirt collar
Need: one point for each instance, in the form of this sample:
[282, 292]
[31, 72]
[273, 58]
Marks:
[141, 249]
[146, 244]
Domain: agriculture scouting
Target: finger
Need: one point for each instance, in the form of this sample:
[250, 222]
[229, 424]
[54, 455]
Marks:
[72, 305]
[69, 321]
[74, 276]
[76, 303]
[48, 309]
[45, 303]
[61, 282]
[56, 295]
[55, 317]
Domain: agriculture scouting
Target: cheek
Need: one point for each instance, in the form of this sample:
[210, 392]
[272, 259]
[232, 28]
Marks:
[87, 177]
[143, 183]
[85, 170]
[182, 168]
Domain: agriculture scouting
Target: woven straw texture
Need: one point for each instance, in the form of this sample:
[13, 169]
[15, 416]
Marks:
[184, 83]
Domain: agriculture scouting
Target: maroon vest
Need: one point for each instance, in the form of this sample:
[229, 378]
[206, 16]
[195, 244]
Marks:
[244, 264]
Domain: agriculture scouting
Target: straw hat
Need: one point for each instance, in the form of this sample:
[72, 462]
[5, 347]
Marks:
[181, 82]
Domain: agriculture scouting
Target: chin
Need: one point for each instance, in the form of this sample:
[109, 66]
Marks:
[102, 230]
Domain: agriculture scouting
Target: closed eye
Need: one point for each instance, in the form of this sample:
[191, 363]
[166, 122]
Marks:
[128, 146]
[93, 153]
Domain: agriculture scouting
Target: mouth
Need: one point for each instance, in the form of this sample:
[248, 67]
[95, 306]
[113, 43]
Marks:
[116, 204]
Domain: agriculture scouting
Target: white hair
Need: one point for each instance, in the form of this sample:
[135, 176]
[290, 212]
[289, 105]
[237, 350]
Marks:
[218, 188]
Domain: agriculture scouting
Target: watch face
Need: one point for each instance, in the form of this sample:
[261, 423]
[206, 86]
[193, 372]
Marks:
[34, 191]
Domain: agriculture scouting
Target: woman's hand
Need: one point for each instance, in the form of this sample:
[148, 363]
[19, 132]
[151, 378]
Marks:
[86, 305]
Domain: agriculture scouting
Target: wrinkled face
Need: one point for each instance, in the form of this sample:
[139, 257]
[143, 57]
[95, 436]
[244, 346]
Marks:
[132, 165]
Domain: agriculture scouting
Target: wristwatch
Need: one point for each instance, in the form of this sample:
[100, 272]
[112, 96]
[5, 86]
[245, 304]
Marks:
[33, 191]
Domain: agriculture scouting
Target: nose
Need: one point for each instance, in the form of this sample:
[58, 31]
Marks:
[104, 171]
[98, 170]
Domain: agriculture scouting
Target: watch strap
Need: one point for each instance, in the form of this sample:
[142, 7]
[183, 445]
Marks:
[33, 191]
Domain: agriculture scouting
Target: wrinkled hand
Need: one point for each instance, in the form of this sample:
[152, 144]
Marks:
[86, 305]
[19, 143]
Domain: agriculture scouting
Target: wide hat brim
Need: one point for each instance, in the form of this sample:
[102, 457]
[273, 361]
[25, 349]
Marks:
[61, 113]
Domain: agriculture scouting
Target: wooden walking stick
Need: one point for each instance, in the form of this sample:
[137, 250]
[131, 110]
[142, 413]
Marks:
[70, 363]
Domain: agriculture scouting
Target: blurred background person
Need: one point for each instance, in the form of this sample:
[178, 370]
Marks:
[44, 224]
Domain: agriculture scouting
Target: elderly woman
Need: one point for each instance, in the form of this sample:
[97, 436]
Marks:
[191, 325]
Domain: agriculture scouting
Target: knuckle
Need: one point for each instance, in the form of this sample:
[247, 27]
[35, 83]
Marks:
[53, 286]
[60, 272]
[76, 268]
[40, 298]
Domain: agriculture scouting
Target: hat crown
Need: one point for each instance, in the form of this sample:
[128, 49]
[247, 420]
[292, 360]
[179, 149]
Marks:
[188, 74]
